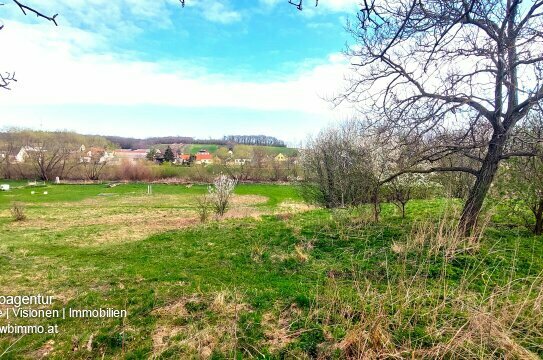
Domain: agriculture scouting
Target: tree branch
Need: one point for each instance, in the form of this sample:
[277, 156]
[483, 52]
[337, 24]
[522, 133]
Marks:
[518, 154]
[24, 8]
[431, 170]
[299, 4]
[6, 79]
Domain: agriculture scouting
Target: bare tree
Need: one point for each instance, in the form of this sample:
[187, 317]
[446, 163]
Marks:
[51, 154]
[9, 144]
[427, 67]
[94, 164]
[260, 157]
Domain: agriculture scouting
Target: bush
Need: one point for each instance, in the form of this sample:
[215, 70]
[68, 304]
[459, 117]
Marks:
[340, 169]
[134, 171]
[221, 192]
[18, 211]
[203, 207]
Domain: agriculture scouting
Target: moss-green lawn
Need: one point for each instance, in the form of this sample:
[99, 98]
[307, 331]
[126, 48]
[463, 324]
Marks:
[275, 279]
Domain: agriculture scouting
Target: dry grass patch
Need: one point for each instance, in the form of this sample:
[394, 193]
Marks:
[295, 207]
[45, 351]
[300, 254]
[248, 200]
[161, 337]
[445, 238]
[198, 325]
[123, 219]
[277, 327]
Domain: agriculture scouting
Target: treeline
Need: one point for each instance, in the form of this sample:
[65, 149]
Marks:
[260, 140]
[26, 154]
[133, 143]
[45, 155]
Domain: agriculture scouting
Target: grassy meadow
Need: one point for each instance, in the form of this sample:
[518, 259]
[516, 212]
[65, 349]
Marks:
[275, 279]
[211, 148]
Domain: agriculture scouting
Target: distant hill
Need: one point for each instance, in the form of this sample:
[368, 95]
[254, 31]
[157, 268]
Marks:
[211, 145]
[133, 143]
[215, 148]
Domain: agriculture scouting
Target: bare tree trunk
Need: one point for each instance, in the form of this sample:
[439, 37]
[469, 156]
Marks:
[538, 229]
[376, 204]
[485, 176]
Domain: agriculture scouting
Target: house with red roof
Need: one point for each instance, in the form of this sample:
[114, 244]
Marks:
[203, 157]
[183, 159]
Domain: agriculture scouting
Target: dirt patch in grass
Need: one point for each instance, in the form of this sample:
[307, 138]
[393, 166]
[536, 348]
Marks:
[44, 351]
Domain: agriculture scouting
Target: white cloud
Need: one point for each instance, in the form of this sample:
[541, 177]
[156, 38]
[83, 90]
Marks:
[61, 67]
[102, 16]
[215, 11]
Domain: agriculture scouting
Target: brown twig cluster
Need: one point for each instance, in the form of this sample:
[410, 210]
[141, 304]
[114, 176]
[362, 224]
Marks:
[299, 3]
[6, 79]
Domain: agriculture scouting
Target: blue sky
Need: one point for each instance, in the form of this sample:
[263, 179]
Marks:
[149, 68]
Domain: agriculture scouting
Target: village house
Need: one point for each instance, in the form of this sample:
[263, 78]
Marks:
[24, 153]
[182, 159]
[280, 158]
[96, 152]
[203, 157]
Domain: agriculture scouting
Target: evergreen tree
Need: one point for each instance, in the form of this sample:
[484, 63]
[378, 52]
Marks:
[168, 155]
[151, 154]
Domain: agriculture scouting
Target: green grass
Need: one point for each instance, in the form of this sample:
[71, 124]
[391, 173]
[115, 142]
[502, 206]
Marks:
[276, 194]
[194, 148]
[276, 150]
[233, 288]
[272, 150]
[72, 193]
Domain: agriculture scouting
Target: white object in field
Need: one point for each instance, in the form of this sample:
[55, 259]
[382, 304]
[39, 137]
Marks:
[57, 180]
[149, 189]
[33, 192]
[45, 193]
[4, 187]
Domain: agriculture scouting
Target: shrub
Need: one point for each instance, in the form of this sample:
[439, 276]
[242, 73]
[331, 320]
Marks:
[137, 171]
[221, 192]
[18, 211]
[203, 207]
